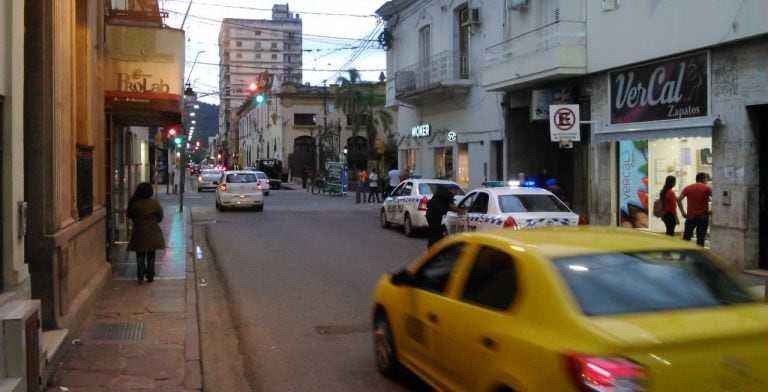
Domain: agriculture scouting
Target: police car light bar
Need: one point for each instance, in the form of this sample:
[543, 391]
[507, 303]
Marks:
[511, 184]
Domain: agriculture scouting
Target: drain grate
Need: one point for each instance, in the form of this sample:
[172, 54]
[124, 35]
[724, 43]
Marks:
[343, 329]
[116, 331]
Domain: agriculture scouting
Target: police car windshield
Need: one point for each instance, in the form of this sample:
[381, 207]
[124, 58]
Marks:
[530, 203]
[429, 188]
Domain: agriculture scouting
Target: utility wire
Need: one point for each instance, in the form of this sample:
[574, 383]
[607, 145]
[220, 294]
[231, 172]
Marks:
[270, 10]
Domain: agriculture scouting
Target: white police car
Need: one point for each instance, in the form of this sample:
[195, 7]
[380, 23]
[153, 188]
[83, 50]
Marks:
[513, 207]
[407, 204]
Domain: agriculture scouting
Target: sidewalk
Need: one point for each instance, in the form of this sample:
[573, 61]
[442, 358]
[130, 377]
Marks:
[146, 336]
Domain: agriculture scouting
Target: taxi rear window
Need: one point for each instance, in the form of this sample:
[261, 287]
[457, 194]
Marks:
[530, 203]
[241, 177]
[621, 283]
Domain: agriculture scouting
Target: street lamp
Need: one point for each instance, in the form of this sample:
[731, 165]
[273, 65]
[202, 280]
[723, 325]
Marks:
[193, 66]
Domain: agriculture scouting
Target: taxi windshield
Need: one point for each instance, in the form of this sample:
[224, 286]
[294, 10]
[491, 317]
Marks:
[657, 281]
[530, 203]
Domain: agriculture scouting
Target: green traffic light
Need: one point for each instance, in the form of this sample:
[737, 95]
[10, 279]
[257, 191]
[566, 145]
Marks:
[178, 140]
[260, 98]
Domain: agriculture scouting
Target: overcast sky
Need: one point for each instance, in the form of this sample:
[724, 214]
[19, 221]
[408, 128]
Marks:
[333, 34]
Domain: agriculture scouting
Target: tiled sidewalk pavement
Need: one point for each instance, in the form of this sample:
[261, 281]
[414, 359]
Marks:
[140, 337]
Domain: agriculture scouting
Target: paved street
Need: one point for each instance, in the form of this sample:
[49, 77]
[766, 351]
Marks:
[299, 277]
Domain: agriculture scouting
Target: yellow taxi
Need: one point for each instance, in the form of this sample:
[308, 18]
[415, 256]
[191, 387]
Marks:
[574, 308]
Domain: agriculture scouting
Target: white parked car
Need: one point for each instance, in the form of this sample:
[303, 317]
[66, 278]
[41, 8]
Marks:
[239, 189]
[509, 207]
[263, 180]
[407, 204]
[208, 179]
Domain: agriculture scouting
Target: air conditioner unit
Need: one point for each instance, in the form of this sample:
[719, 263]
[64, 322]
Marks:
[517, 4]
[472, 17]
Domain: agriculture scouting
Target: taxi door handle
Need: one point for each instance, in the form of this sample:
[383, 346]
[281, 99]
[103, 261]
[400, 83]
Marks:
[432, 318]
[488, 342]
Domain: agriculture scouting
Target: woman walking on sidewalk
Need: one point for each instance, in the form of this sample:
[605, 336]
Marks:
[146, 237]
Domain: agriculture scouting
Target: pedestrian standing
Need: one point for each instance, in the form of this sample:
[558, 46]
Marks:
[553, 186]
[373, 186]
[393, 179]
[697, 214]
[669, 200]
[440, 203]
[362, 176]
[146, 237]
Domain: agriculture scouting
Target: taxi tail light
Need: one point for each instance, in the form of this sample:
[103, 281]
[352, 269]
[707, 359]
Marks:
[258, 186]
[510, 223]
[606, 374]
[423, 203]
[223, 187]
[582, 221]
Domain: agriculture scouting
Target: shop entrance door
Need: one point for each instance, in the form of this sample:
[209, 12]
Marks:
[758, 116]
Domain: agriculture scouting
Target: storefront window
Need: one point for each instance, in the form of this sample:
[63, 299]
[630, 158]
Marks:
[462, 167]
[644, 165]
[444, 163]
[409, 161]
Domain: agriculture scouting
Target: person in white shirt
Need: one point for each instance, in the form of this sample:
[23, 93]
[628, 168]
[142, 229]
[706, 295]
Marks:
[373, 186]
[394, 179]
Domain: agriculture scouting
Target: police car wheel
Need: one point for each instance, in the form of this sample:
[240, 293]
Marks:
[383, 219]
[408, 226]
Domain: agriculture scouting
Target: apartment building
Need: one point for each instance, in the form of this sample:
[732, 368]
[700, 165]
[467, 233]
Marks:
[248, 49]
[661, 88]
[448, 125]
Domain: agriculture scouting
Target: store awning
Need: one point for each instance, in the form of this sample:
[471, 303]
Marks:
[687, 127]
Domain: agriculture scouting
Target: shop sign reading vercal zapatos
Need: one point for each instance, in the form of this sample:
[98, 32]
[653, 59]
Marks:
[664, 90]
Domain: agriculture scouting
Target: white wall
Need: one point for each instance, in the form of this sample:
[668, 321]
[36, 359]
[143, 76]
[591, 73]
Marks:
[638, 31]
[475, 117]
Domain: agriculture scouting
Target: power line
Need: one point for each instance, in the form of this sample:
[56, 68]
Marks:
[214, 22]
[270, 10]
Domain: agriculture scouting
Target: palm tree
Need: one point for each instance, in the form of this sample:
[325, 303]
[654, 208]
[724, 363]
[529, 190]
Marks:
[362, 105]
[374, 115]
[349, 97]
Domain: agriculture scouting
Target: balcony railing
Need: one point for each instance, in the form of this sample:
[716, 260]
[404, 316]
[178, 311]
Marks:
[440, 69]
[552, 51]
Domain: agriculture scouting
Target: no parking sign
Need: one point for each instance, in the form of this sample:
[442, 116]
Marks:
[564, 123]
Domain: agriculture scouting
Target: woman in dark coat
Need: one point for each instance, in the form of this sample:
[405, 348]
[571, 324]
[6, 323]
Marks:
[146, 237]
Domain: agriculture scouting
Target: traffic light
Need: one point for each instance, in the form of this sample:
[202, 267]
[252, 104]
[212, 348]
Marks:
[255, 92]
[170, 132]
[179, 140]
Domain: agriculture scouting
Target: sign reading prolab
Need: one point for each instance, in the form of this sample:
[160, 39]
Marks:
[564, 123]
[145, 68]
[664, 90]
[423, 130]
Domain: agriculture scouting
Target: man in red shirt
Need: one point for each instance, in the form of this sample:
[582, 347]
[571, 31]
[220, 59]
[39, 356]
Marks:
[697, 214]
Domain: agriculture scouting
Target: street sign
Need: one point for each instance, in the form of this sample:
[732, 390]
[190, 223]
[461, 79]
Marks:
[564, 123]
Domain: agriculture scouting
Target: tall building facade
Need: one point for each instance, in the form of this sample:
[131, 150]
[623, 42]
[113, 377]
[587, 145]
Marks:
[250, 49]
[447, 125]
[669, 88]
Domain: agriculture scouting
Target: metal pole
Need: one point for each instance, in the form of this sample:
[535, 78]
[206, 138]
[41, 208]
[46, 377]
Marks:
[182, 176]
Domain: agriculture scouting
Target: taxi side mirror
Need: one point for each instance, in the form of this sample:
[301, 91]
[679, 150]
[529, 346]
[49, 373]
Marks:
[402, 278]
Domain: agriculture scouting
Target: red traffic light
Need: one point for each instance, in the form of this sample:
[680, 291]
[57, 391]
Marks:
[253, 88]
[172, 132]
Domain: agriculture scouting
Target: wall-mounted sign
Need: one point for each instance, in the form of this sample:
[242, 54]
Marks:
[423, 130]
[451, 136]
[564, 123]
[145, 68]
[663, 90]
